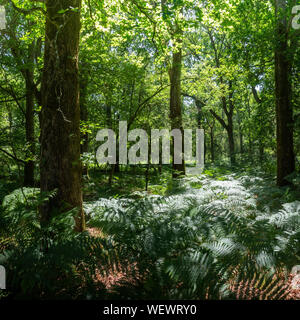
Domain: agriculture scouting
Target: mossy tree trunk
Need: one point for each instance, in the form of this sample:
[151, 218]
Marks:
[175, 105]
[284, 111]
[60, 165]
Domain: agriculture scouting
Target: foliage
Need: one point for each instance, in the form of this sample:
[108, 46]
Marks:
[205, 243]
[49, 262]
[191, 250]
[227, 234]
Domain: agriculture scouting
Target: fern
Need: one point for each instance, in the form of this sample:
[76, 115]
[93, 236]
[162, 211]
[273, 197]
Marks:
[207, 243]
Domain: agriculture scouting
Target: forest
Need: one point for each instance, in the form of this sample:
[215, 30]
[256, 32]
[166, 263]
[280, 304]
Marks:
[76, 228]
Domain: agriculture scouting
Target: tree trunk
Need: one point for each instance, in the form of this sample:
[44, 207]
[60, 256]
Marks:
[29, 118]
[212, 145]
[229, 129]
[26, 67]
[60, 165]
[230, 125]
[199, 106]
[175, 106]
[84, 146]
[284, 112]
[240, 134]
[231, 140]
[261, 152]
[250, 150]
[228, 109]
[241, 143]
[29, 129]
[149, 160]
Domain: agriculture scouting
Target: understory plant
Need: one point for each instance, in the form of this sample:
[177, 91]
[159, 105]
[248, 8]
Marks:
[211, 242]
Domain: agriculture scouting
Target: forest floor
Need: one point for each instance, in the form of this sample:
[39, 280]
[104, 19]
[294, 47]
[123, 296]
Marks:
[210, 227]
[243, 193]
[246, 191]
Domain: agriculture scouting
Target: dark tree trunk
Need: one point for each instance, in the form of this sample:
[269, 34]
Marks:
[199, 106]
[29, 128]
[160, 166]
[250, 151]
[60, 165]
[212, 144]
[84, 116]
[149, 160]
[229, 129]
[229, 114]
[284, 112]
[26, 67]
[231, 140]
[115, 167]
[241, 142]
[175, 114]
[29, 118]
[228, 109]
[175, 106]
[240, 134]
[261, 152]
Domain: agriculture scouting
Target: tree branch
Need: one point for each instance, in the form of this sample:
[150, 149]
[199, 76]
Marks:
[255, 94]
[13, 100]
[12, 156]
[143, 104]
[222, 122]
[29, 11]
[197, 100]
[14, 96]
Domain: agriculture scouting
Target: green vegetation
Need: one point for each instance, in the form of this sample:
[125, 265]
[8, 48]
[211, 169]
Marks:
[71, 228]
[196, 243]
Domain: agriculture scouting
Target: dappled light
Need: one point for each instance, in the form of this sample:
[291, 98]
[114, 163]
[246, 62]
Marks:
[149, 150]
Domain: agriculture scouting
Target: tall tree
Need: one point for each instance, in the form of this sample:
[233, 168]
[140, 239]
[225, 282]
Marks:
[227, 104]
[25, 56]
[175, 81]
[84, 115]
[175, 105]
[60, 165]
[284, 111]
[29, 119]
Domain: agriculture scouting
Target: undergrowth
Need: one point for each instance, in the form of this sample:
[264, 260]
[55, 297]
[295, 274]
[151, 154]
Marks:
[217, 236]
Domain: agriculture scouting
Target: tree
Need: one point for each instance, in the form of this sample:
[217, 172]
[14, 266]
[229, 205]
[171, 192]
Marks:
[25, 52]
[174, 71]
[227, 104]
[284, 111]
[60, 165]
[175, 105]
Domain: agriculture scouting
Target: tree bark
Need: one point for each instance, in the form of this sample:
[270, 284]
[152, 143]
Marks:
[229, 129]
[25, 62]
[60, 165]
[29, 118]
[212, 144]
[29, 129]
[240, 134]
[175, 105]
[261, 152]
[84, 115]
[284, 112]
[199, 106]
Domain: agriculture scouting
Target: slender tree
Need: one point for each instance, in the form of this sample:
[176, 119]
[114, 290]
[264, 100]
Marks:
[25, 60]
